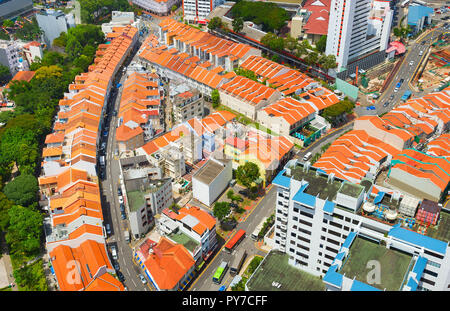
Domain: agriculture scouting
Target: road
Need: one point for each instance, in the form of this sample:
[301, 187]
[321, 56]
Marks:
[265, 208]
[416, 52]
[109, 187]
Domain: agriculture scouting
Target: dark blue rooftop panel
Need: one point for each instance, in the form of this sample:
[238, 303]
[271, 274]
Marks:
[360, 286]
[281, 180]
[418, 239]
[329, 207]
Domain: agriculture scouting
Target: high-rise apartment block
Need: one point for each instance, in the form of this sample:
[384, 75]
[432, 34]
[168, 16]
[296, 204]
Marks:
[358, 28]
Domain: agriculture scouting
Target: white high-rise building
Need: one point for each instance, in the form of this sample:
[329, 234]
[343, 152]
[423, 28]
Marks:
[357, 28]
[198, 10]
[318, 216]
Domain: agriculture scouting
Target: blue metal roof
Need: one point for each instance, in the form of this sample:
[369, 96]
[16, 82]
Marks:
[329, 207]
[340, 256]
[333, 277]
[418, 239]
[379, 197]
[281, 180]
[419, 266]
[349, 240]
[305, 198]
[360, 286]
[417, 12]
[412, 284]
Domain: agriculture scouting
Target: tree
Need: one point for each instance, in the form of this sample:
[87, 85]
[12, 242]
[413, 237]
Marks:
[174, 8]
[61, 41]
[215, 23]
[22, 190]
[31, 277]
[312, 58]
[230, 195]
[327, 61]
[322, 44]
[397, 32]
[238, 24]
[215, 98]
[247, 174]
[5, 206]
[221, 210]
[290, 43]
[269, 15]
[7, 23]
[5, 75]
[273, 42]
[24, 231]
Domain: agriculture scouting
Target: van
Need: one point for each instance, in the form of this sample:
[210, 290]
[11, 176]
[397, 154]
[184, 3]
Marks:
[126, 233]
[307, 156]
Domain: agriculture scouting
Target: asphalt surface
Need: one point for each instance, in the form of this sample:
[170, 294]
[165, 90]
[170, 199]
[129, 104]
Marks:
[265, 208]
[110, 201]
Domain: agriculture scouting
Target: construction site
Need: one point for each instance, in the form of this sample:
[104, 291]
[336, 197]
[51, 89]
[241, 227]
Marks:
[436, 73]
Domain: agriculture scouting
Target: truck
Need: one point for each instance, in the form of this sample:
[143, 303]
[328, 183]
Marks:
[406, 95]
[255, 234]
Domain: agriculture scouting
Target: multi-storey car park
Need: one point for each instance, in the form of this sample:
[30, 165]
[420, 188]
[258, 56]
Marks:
[332, 228]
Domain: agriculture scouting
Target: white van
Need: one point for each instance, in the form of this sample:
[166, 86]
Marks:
[307, 156]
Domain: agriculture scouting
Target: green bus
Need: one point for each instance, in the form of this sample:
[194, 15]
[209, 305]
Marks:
[220, 272]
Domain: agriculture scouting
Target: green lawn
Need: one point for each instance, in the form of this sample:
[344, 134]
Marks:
[275, 268]
[442, 231]
[393, 264]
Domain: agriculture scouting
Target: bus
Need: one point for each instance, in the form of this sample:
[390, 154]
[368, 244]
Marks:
[235, 240]
[220, 272]
[256, 232]
[238, 261]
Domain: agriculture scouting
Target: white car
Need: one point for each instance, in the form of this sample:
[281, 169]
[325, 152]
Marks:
[420, 53]
[411, 63]
[120, 199]
[143, 280]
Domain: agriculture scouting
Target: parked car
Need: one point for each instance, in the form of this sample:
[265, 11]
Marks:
[122, 208]
[116, 266]
[143, 280]
[234, 205]
[108, 229]
[123, 215]
[120, 199]
[222, 288]
[120, 276]
[114, 252]
[119, 191]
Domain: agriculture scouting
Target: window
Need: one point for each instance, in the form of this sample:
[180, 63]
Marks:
[333, 242]
[331, 249]
[434, 254]
[306, 214]
[335, 224]
[338, 216]
[427, 281]
[305, 223]
[334, 233]
[430, 272]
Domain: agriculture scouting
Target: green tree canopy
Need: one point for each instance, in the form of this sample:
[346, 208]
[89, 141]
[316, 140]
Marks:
[5, 205]
[8, 23]
[61, 41]
[31, 277]
[215, 23]
[24, 231]
[221, 210]
[238, 24]
[215, 98]
[22, 190]
[247, 174]
[322, 44]
[5, 74]
[273, 42]
[268, 14]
